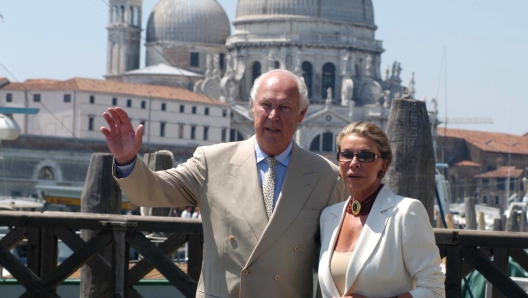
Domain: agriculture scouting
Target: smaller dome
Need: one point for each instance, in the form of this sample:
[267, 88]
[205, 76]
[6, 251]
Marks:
[199, 21]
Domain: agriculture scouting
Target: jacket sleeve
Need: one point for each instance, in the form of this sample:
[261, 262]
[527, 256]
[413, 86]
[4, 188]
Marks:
[180, 186]
[420, 253]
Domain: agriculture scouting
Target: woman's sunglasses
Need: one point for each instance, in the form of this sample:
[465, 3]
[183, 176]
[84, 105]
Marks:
[362, 156]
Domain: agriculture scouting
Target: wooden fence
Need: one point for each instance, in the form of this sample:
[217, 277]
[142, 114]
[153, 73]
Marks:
[118, 232]
[465, 250]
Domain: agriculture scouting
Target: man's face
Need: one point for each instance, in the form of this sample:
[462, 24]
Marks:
[276, 112]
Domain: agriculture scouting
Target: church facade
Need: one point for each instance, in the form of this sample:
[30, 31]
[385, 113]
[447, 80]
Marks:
[331, 44]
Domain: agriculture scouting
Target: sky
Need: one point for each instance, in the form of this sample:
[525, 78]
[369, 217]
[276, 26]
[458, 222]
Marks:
[472, 55]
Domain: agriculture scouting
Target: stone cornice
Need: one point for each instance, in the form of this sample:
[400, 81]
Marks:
[301, 19]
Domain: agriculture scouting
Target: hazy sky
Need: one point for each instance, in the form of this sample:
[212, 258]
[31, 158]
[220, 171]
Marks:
[485, 44]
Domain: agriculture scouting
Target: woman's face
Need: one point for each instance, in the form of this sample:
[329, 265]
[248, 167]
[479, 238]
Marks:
[361, 178]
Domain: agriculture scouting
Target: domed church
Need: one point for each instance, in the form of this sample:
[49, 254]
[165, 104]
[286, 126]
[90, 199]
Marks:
[329, 43]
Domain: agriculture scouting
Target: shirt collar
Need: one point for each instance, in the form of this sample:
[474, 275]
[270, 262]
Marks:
[283, 158]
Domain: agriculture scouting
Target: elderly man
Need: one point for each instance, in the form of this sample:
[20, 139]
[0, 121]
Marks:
[260, 199]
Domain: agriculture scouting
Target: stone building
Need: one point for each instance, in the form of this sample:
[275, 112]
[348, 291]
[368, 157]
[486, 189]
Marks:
[190, 45]
[485, 165]
[74, 108]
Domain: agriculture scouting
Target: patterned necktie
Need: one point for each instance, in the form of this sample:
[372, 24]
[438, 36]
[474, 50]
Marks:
[268, 186]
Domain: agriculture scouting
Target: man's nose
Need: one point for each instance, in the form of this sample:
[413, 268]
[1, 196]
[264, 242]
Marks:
[273, 113]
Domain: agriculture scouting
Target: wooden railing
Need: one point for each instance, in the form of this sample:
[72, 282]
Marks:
[464, 250]
[467, 250]
[117, 233]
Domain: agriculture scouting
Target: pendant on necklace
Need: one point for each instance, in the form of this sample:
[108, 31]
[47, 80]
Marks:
[354, 207]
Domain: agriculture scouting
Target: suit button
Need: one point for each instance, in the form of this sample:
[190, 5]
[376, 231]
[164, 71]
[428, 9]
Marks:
[231, 238]
[296, 249]
[245, 272]
[277, 277]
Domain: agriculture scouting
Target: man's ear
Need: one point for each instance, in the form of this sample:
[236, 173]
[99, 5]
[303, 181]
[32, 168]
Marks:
[303, 113]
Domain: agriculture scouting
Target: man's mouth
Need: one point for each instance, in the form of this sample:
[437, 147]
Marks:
[272, 130]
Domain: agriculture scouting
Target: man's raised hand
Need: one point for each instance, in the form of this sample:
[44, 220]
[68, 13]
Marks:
[122, 140]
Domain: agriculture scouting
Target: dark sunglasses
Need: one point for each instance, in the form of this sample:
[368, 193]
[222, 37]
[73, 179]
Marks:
[362, 156]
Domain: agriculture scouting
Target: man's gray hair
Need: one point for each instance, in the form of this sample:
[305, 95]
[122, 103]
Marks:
[303, 90]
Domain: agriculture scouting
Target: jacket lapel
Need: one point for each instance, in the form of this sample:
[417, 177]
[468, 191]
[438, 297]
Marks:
[246, 187]
[298, 184]
[371, 235]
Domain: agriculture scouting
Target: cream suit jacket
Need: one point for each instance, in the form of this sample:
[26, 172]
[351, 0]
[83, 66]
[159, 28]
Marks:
[395, 253]
[244, 255]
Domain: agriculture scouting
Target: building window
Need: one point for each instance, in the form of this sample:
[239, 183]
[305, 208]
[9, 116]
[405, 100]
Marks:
[193, 132]
[323, 143]
[163, 106]
[224, 134]
[129, 103]
[67, 97]
[36, 97]
[497, 200]
[256, 70]
[224, 113]
[162, 129]
[234, 136]
[512, 183]
[328, 80]
[206, 133]
[92, 99]
[485, 199]
[195, 59]
[276, 64]
[90, 123]
[9, 97]
[194, 109]
[307, 74]
[221, 61]
[501, 183]
[182, 109]
[114, 101]
[485, 183]
[180, 131]
[143, 104]
[206, 111]
[46, 173]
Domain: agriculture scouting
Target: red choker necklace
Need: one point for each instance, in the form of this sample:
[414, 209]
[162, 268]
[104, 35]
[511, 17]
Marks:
[356, 207]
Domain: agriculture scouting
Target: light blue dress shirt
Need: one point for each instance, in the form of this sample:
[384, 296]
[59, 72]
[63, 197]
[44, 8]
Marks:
[281, 167]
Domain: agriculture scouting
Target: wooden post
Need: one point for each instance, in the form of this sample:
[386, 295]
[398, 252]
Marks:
[412, 171]
[157, 161]
[471, 217]
[100, 195]
[481, 222]
[512, 223]
[497, 224]
[523, 225]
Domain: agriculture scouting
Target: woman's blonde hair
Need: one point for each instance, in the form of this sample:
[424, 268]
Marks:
[370, 131]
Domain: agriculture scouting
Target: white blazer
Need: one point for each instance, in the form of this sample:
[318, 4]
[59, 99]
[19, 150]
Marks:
[395, 253]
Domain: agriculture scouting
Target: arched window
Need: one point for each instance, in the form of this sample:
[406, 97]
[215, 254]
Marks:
[307, 73]
[46, 173]
[485, 199]
[277, 64]
[131, 17]
[256, 70]
[328, 79]
[234, 136]
[136, 15]
[323, 143]
[122, 14]
[114, 15]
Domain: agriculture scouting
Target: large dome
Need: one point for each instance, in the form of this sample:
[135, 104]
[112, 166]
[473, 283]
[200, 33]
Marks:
[349, 11]
[200, 21]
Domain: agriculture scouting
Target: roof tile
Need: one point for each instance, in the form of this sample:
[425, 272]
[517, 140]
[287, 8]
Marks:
[112, 87]
[489, 141]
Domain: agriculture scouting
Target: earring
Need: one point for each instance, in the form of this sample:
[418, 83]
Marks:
[381, 174]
